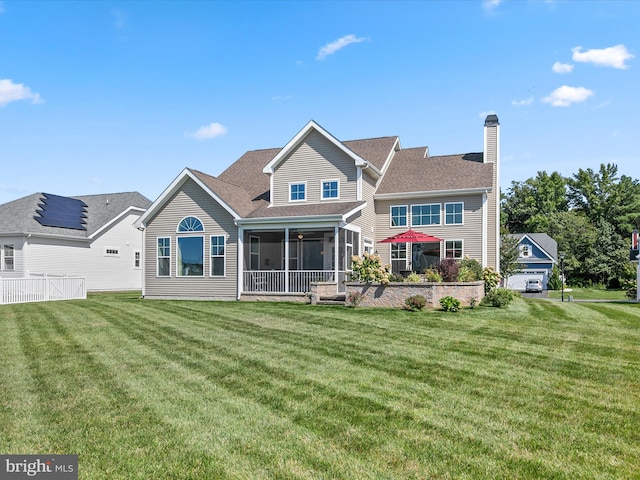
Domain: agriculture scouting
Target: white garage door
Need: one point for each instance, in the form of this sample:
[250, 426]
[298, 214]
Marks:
[519, 280]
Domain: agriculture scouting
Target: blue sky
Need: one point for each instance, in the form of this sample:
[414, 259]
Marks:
[112, 96]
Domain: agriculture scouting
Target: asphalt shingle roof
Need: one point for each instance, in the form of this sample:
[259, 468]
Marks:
[17, 216]
[410, 171]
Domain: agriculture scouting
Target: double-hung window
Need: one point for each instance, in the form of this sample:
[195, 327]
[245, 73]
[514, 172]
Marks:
[164, 257]
[8, 257]
[453, 213]
[428, 214]
[453, 249]
[330, 189]
[217, 255]
[399, 216]
[297, 192]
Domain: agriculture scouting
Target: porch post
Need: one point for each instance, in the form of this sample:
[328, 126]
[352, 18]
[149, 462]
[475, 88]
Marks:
[240, 266]
[286, 259]
[336, 256]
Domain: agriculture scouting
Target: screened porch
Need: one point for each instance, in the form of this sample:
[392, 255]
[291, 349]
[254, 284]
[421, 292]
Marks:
[288, 260]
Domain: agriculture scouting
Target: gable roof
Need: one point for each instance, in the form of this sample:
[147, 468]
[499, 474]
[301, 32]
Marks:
[411, 172]
[543, 241]
[302, 134]
[17, 216]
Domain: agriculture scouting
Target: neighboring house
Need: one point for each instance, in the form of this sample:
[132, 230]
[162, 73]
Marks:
[93, 236]
[537, 254]
[278, 219]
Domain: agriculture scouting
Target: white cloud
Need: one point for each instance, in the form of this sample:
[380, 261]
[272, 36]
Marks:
[333, 47]
[559, 67]
[208, 131]
[614, 57]
[564, 96]
[13, 92]
[491, 5]
[522, 103]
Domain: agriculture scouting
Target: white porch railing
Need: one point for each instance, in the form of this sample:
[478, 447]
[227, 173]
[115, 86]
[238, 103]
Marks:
[23, 290]
[273, 281]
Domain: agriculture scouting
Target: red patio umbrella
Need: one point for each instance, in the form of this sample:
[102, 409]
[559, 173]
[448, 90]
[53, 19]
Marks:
[411, 236]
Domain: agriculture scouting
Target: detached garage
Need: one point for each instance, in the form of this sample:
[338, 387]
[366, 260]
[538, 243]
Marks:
[538, 253]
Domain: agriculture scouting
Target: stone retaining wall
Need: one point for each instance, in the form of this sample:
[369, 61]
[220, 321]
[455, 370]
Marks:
[394, 294]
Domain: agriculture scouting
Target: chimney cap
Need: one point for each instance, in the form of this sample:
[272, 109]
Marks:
[491, 120]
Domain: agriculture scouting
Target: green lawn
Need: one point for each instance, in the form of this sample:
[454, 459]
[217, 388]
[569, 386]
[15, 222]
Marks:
[588, 294]
[143, 389]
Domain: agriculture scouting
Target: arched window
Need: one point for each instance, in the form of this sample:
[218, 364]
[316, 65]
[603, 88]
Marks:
[190, 224]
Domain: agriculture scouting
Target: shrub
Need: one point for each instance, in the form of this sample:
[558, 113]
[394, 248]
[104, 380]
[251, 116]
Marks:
[491, 279]
[353, 299]
[369, 268]
[448, 269]
[415, 303]
[413, 277]
[500, 297]
[450, 304]
[632, 293]
[470, 269]
[554, 283]
[394, 277]
[432, 275]
[473, 303]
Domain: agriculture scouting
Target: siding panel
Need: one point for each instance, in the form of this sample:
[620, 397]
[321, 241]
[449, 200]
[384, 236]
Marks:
[314, 160]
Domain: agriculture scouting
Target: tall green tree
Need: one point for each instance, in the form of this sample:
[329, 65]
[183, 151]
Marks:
[602, 195]
[528, 203]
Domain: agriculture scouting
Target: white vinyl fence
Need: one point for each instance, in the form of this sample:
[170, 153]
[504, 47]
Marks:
[42, 289]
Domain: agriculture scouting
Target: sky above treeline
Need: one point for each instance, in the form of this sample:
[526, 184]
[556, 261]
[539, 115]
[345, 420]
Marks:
[114, 96]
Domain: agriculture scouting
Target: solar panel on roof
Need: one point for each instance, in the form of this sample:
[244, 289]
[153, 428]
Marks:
[62, 212]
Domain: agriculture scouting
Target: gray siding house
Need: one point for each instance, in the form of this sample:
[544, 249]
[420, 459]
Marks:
[91, 236]
[278, 219]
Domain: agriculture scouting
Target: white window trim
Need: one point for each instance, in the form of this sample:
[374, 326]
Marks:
[461, 247]
[204, 263]
[368, 244]
[107, 253]
[158, 257]
[391, 225]
[445, 213]
[306, 192]
[427, 205]
[522, 248]
[189, 232]
[139, 254]
[224, 257]
[322, 197]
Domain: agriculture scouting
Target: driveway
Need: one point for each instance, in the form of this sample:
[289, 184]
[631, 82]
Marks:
[542, 294]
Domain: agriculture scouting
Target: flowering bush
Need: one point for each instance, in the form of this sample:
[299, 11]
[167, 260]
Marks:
[369, 268]
[491, 279]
